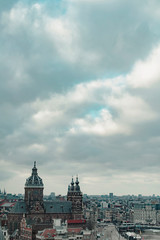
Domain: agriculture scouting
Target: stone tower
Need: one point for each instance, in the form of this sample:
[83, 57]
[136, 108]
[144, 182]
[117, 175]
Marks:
[75, 196]
[34, 192]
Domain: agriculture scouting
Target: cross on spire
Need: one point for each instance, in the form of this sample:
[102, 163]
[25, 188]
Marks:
[34, 164]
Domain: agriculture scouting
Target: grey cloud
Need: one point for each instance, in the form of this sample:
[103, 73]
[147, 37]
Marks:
[32, 67]
[6, 175]
[116, 29]
[7, 5]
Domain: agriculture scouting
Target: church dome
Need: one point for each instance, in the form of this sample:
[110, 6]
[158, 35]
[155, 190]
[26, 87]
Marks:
[34, 180]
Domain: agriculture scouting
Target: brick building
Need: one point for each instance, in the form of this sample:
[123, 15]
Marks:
[25, 230]
[39, 213]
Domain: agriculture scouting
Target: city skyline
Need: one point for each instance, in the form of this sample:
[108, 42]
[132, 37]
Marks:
[63, 192]
[79, 94]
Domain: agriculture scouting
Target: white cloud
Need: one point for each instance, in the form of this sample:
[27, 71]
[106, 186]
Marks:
[43, 119]
[101, 125]
[40, 148]
[132, 109]
[147, 72]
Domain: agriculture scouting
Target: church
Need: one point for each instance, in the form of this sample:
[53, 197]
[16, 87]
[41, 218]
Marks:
[39, 213]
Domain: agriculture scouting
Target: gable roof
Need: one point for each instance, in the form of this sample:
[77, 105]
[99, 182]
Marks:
[20, 207]
[49, 206]
[58, 207]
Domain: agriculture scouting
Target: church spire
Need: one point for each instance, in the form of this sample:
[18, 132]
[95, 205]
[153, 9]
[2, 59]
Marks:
[34, 169]
[4, 191]
[77, 187]
[72, 185]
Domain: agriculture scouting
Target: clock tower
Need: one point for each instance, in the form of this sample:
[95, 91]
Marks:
[34, 192]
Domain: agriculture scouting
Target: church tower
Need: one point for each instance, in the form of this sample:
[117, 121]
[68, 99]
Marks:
[34, 192]
[75, 196]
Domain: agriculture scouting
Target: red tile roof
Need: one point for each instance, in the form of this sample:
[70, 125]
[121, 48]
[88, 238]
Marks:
[48, 233]
[76, 221]
[7, 204]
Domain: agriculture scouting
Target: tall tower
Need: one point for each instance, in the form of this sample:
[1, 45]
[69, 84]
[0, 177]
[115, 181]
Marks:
[75, 196]
[34, 192]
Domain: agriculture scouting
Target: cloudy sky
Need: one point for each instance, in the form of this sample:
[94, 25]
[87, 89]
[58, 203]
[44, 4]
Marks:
[80, 94]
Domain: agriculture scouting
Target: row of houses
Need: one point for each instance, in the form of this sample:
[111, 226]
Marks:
[67, 230]
[120, 211]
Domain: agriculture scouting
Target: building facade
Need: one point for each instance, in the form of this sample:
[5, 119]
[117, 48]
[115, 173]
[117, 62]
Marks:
[39, 213]
[146, 213]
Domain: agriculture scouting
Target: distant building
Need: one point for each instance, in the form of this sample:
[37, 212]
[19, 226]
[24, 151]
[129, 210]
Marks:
[111, 195]
[52, 196]
[146, 213]
[39, 213]
[104, 204]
